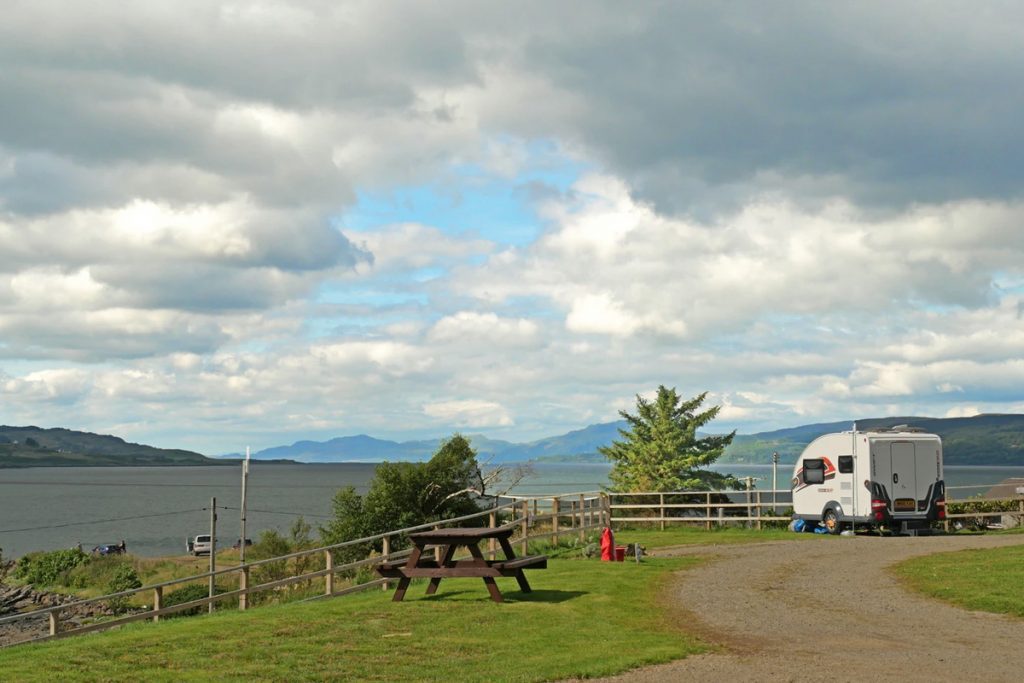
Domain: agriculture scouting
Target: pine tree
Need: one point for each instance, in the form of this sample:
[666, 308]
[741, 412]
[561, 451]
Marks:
[661, 452]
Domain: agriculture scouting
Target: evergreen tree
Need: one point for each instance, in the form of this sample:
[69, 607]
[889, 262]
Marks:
[661, 452]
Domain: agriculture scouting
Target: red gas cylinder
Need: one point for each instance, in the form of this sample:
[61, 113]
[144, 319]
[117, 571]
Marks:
[607, 546]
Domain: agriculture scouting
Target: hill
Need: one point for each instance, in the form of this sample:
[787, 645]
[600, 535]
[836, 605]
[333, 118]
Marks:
[979, 440]
[37, 447]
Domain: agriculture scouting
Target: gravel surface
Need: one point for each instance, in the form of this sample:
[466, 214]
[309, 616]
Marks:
[827, 609]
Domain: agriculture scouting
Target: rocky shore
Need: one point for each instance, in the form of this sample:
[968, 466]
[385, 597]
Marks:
[16, 599]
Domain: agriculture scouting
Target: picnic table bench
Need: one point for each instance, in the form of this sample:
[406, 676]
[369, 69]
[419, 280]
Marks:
[450, 540]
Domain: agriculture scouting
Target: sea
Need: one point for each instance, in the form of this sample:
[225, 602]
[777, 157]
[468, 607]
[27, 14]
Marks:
[155, 509]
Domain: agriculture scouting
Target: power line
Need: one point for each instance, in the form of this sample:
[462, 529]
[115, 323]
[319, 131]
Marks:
[278, 512]
[97, 521]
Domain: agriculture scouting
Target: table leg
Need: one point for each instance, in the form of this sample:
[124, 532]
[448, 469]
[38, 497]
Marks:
[510, 554]
[492, 585]
[403, 583]
[449, 552]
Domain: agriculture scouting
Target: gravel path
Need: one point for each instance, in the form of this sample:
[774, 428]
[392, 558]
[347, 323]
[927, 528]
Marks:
[827, 609]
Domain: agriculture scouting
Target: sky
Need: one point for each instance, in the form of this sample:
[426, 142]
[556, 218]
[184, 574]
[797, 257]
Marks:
[248, 223]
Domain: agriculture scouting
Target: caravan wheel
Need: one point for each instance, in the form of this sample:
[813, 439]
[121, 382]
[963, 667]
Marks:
[831, 521]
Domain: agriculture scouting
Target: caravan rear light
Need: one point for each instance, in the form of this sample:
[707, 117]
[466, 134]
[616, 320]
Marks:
[940, 505]
[878, 509]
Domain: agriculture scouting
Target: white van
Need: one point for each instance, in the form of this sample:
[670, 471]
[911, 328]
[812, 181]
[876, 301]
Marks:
[200, 545]
[888, 478]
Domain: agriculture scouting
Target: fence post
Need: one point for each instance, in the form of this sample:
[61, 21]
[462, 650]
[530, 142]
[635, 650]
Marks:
[758, 510]
[707, 511]
[329, 576]
[572, 514]
[492, 544]
[750, 513]
[54, 622]
[385, 549]
[583, 503]
[526, 525]
[661, 509]
[243, 585]
[158, 602]
[555, 505]
[437, 548]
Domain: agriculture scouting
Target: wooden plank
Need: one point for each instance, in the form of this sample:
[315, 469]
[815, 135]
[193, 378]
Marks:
[525, 562]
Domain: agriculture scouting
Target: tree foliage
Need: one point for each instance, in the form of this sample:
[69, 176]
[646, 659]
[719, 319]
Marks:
[660, 450]
[405, 494]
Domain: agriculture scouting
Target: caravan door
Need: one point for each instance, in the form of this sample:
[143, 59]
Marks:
[904, 476]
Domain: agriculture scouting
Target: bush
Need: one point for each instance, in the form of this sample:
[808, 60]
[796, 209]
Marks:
[97, 573]
[193, 591]
[44, 569]
[406, 494]
[125, 578]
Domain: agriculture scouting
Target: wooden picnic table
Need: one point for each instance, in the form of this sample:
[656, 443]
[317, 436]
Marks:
[450, 540]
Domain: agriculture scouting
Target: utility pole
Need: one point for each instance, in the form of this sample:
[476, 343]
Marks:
[213, 549]
[245, 486]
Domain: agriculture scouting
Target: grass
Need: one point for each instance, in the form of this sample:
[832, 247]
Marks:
[585, 618]
[987, 580]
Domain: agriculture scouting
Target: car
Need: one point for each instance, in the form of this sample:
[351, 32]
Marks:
[200, 545]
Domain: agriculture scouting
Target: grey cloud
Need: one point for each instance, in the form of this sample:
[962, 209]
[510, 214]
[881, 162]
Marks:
[905, 103]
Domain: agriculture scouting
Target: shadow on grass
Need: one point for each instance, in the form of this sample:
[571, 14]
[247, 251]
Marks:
[543, 596]
[551, 596]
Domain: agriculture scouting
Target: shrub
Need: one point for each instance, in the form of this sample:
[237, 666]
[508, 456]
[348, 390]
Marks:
[193, 591]
[97, 573]
[125, 578]
[44, 568]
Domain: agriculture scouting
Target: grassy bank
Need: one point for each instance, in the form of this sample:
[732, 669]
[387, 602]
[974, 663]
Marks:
[988, 580]
[584, 618]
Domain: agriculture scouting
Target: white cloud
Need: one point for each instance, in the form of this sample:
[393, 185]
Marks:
[469, 413]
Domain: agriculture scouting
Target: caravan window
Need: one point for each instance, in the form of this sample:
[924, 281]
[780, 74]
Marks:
[814, 471]
[845, 464]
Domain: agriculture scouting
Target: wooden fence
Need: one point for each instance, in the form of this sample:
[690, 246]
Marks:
[566, 515]
[757, 507]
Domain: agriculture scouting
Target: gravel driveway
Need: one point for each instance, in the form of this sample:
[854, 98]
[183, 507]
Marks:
[826, 609]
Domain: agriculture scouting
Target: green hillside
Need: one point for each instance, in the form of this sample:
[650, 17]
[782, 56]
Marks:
[37, 447]
[978, 440]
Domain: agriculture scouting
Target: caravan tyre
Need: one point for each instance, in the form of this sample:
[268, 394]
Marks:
[831, 521]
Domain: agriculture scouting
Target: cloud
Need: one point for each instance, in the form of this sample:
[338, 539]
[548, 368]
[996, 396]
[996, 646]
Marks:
[811, 211]
[617, 267]
[469, 413]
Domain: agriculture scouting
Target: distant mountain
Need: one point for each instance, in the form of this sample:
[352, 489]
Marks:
[361, 448]
[979, 440]
[581, 443]
[36, 447]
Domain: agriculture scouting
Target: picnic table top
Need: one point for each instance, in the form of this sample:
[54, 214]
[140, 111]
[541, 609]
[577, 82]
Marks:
[460, 534]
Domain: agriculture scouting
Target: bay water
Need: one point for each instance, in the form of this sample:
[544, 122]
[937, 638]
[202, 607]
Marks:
[155, 509]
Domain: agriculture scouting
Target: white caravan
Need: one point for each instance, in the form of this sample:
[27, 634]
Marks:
[885, 477]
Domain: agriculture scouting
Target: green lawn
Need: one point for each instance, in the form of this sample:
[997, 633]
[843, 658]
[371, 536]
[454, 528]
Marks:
[988, 580]
[584, 618]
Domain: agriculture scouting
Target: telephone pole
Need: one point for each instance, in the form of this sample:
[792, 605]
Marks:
[213, 550]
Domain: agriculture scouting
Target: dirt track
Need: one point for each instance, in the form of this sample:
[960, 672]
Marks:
[827, 609]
